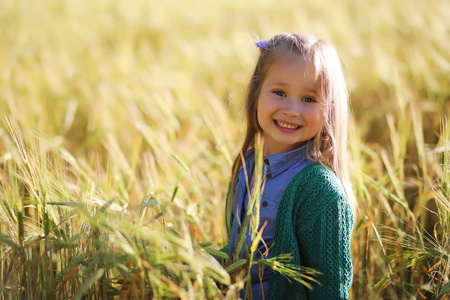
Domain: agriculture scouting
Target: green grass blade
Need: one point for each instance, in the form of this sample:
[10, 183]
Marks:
[88, 283]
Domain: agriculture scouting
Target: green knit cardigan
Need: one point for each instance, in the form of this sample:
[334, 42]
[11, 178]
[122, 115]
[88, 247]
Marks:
[313, 222]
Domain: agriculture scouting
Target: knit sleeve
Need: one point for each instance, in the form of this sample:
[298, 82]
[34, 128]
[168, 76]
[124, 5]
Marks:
[225, 248]
[323, 234]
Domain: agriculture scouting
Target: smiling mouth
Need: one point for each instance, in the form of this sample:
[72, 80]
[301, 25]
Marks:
[287, 125]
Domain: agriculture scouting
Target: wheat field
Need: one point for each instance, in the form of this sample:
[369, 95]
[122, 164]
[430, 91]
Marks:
[120, 120]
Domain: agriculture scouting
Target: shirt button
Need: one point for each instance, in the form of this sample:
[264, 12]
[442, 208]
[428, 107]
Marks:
[266, 161]
[264, 203]
[238, 230]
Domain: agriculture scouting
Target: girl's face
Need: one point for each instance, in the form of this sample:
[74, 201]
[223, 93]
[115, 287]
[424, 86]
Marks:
[288, 110]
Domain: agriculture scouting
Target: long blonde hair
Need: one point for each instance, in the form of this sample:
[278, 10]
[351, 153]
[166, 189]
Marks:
[330, 144]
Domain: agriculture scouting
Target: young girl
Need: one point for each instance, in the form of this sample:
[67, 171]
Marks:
[297, 100]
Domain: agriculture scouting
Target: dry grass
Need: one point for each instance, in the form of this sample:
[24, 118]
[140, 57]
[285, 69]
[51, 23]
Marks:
[120, 121]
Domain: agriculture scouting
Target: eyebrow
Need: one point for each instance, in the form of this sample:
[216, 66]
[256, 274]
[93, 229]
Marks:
[312, 90]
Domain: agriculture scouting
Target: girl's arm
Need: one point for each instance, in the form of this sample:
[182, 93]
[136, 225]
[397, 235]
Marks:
[323, 235]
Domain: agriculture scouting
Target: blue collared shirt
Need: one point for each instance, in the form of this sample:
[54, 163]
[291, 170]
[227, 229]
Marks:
[278, 170]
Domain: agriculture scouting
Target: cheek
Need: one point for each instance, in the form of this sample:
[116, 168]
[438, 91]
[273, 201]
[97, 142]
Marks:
[319, 118]
[265, 107]
[261, 110]
[316, 118]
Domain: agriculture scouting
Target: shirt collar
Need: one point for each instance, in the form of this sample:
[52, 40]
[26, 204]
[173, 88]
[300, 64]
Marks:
[276, 164]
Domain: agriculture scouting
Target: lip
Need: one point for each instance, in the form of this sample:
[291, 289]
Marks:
[287, 130]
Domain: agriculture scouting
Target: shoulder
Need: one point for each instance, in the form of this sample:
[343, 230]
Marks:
[317, 191]
[316, 179]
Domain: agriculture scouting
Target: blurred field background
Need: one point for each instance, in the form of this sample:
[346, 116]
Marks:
[120, 121]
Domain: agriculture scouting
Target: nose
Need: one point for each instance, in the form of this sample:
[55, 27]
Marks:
[291, 108]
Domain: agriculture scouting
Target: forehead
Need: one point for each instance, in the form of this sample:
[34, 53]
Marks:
[291, 69]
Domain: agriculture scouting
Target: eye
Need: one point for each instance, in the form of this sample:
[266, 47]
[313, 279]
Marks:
[309, 99]
[279, 93]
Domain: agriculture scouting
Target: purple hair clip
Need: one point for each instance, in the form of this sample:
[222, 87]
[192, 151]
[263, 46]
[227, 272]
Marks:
[262, 44]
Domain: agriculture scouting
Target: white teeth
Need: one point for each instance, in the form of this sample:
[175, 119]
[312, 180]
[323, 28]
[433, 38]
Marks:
[285, 125]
